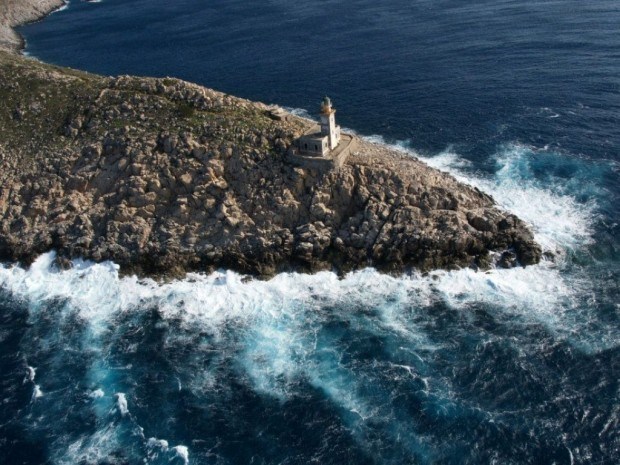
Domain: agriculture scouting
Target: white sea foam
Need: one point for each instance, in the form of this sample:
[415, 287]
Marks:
[30, 374]
[157, 443]
[183, 453]
[121, 403]
[96, 394]
[91, 448]
[156, 448]
[62, 7]
[93, 289]
[301, 112]
[37, 392]
[274, 310]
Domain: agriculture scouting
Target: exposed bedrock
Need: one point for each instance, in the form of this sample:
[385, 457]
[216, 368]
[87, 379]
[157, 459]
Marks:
[163, 176]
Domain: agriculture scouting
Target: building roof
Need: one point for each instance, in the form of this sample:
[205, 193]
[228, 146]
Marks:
[317, 136]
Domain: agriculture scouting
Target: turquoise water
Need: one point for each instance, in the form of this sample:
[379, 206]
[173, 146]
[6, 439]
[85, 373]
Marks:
[519, 98]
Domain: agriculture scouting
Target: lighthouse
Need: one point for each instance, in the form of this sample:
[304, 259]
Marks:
[322, 146]
[322, 140]
[328, 124]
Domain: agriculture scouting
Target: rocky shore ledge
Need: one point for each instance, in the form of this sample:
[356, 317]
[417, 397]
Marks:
[163, 176]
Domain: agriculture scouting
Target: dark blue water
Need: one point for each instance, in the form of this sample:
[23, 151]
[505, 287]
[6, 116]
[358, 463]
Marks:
[520, 98]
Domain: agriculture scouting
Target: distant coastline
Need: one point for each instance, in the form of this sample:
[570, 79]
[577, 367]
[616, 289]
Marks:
[14, 13]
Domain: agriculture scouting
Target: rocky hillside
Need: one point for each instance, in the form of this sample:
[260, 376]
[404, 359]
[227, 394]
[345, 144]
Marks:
[163, 176]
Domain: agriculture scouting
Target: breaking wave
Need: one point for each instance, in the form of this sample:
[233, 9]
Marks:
[561, 207]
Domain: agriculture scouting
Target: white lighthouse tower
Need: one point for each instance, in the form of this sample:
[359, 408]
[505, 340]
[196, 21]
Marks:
[322, 142]
[328, 124]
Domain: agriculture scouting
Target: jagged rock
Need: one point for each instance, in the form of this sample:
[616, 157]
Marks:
[508, 259]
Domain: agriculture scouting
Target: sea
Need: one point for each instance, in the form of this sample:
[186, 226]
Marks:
[519, 98]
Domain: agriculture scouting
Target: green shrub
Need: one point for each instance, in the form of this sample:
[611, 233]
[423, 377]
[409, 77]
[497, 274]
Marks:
[186, 110]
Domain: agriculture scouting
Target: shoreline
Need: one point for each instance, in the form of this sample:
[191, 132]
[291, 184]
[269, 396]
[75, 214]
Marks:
[165, 177]
[16, 13]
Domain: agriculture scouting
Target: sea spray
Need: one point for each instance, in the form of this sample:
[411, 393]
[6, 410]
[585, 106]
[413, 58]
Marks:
[562, 219]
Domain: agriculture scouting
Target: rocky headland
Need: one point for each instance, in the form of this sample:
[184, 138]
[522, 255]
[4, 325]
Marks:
[163, 177]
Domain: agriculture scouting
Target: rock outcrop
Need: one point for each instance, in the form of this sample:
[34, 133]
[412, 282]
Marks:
[163, 176]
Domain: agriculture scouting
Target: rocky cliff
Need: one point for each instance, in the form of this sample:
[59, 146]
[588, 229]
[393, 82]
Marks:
[163, 176]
